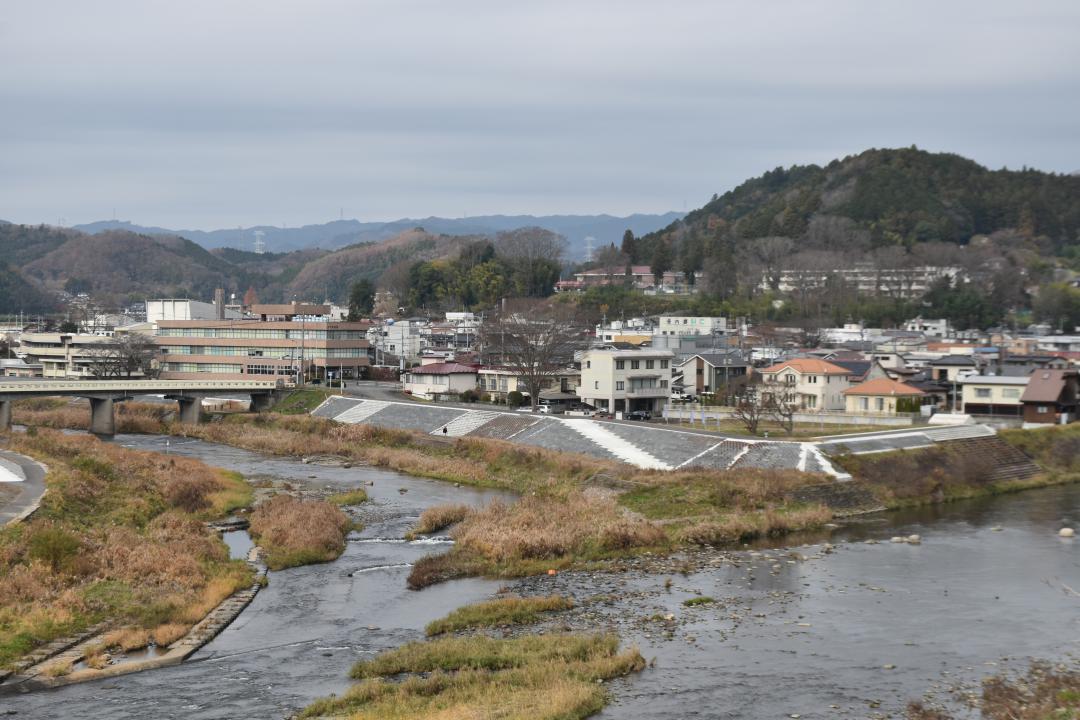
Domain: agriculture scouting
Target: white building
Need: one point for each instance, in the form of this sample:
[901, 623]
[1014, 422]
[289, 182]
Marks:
[910, 283]
[159, 310]
[934, 328]
[809, 383]
[402, 339]
[625, 380]
[690, 325]
[439, 380]
[66, 355]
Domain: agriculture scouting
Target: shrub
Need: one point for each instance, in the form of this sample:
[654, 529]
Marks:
[439, 517]
[54, 546]
[515, 399]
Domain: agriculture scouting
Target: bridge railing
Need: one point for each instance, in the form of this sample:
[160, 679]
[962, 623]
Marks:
[146, 387]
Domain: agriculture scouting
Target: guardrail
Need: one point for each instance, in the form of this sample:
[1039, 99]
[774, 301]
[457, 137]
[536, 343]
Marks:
[141, 386]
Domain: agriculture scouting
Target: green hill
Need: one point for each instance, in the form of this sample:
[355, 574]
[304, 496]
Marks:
[891, 198]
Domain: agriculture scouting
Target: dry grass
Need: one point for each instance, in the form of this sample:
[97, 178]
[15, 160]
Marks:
[57, 669]
[554, 677]
[503, 611]
[298, 532]
[1044, 693]
[440, 517]
[168, 633]
[112, 541]
[537, 533]
[745, 526]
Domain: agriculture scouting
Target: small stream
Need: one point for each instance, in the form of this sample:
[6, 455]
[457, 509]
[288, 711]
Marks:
[852, 633]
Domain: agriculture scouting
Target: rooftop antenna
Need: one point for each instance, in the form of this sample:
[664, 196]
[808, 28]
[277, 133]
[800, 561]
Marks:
[260, 245]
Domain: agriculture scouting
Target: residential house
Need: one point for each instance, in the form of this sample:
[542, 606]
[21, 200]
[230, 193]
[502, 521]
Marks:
[883, 396]
[690, 325]
[710, 372]
[622, 380]
[1052, 397]
[992, 394]
[436, 381]
[813, 384]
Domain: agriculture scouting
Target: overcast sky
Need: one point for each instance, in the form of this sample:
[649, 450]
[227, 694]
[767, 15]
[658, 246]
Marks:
[218, 113]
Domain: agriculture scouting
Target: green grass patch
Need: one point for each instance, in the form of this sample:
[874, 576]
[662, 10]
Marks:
[358, 496]
[302, 401]
[503, 611]
[701, 600]
[553, 677]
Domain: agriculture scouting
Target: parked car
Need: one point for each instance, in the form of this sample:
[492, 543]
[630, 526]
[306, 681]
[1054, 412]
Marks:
[602, 415]
[680, 396]
[638, 415]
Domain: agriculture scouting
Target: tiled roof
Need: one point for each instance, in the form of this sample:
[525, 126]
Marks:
[808, 366]
[883, 386]
[442, 369]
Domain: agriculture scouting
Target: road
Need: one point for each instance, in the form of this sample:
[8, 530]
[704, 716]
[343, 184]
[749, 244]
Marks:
[27, 492]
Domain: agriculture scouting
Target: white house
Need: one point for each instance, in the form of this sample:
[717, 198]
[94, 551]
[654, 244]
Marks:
[690, 325]
[624, 380]
[812, 384]
[439, 380]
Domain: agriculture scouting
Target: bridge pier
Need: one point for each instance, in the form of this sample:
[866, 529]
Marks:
[5, 415]
[102, 416]
[261, 402]
[190, 409]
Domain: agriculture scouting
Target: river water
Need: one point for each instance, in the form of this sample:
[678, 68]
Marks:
[852, 633]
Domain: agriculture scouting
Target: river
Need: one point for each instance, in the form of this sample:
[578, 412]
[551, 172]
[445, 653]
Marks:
[864, 628]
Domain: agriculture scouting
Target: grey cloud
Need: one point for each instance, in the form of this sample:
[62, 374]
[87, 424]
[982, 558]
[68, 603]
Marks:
[204, 114]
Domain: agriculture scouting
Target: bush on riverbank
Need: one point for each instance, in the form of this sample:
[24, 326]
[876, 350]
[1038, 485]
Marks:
[295, 532]
[503, 611]
[552, 677]
[114, 540]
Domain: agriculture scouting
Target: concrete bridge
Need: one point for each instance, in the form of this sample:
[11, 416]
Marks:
[104, 394]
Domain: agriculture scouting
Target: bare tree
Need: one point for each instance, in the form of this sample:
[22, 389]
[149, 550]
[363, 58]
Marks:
[750, 409]
[780, 404]
[125, 355]
[772, 253]
[534, 340]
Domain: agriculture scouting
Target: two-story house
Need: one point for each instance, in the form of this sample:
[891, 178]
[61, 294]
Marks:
[622, 380]
[811, 384]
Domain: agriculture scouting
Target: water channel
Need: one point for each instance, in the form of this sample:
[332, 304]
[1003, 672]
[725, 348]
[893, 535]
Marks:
[852, 633]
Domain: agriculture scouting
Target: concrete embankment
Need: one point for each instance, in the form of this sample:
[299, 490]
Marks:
[23, 482]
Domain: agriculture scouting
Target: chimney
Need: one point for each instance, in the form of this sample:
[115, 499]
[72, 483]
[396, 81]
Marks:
[219, 304]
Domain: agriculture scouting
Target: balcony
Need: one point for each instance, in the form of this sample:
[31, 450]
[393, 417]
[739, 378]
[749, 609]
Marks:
[646, 392]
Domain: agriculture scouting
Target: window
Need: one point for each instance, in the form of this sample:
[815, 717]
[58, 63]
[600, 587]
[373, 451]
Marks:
[588, 364]
[811, 379]
[982, 392]
[620, 364]
[663, 364]
[1010, 393]
[635, 364]
[663, 383]
[811, 401]
[864, 403]
[789, 379]
[619, 385]
[649, 364]
[1042, 409]
[879, 404]
[596, 385]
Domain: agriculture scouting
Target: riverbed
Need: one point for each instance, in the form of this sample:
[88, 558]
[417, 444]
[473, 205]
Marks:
[862, 626]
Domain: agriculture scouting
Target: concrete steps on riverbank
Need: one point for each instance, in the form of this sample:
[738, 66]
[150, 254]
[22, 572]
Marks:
[467, 423]
[1006, 461]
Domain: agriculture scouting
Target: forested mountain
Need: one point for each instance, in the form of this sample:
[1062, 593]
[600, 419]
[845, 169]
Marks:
[879, 199]
[338, 234]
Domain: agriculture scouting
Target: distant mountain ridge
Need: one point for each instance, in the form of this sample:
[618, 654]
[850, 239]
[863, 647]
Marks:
[336, 234]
